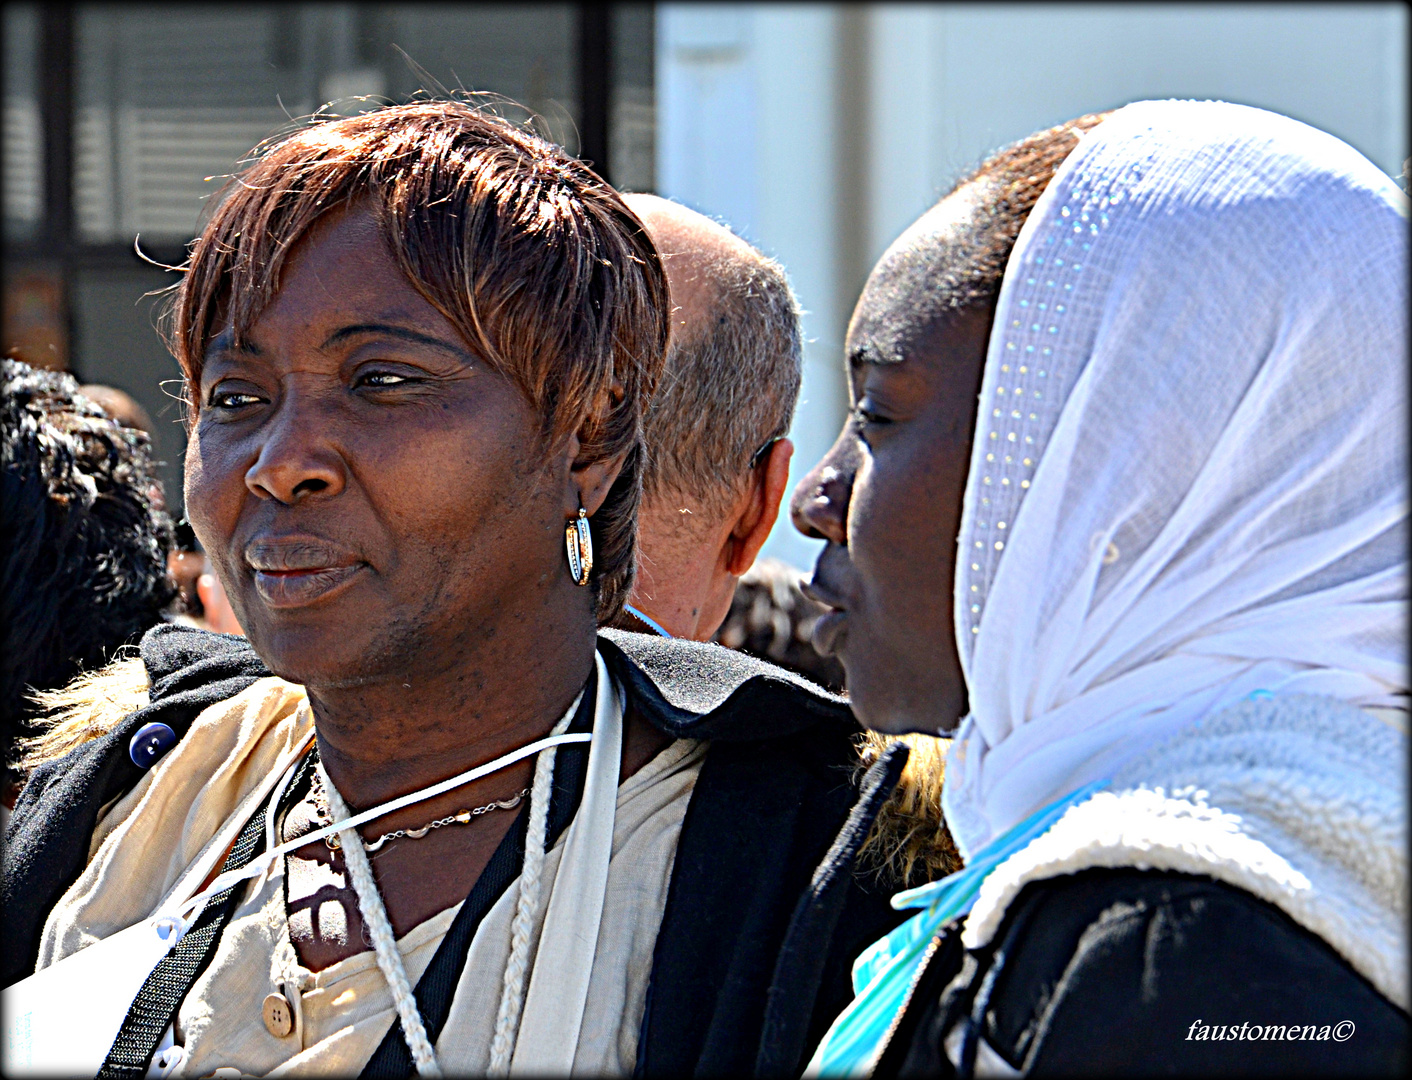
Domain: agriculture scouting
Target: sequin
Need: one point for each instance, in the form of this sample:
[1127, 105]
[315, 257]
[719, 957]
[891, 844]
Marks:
[1000, 545]
[1000, 524]
[1004, 367]
[975, 566]
[990, 457]
[975, 608]
[1011, 437]
[1024, 483]
[1023, 369]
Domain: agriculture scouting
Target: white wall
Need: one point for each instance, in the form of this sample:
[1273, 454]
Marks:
[745, 133]
[950, 83]
[751, 99]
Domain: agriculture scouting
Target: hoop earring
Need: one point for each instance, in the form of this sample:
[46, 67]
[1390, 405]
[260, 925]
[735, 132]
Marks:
[579, 543]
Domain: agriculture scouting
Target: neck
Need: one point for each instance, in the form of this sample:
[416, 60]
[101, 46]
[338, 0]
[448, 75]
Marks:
[438, 717]
[685, 588]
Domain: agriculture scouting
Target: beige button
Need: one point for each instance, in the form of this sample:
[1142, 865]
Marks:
[279, 1017]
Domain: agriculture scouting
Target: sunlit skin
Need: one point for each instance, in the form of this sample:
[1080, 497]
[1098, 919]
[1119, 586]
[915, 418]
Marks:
[691, 557]
[887, 496]
[377, 504]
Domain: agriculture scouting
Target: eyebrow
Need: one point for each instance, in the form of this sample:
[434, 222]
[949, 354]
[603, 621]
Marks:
[866, 355]
[224, 342]
[388, 330]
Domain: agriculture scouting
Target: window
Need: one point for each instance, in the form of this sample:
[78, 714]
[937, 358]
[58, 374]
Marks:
[143, 111]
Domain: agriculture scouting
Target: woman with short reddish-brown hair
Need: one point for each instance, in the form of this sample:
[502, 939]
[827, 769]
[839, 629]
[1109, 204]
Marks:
[434, 820]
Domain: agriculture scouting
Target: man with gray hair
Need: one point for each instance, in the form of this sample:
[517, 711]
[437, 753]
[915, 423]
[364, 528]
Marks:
[717, 459]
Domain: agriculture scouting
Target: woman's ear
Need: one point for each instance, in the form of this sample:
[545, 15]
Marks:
[588, 483]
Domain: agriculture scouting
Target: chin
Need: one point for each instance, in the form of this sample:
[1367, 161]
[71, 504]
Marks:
[879, 707]
[311, 656]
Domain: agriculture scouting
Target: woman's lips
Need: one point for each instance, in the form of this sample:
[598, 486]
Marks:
[298, 588]
[829, 632]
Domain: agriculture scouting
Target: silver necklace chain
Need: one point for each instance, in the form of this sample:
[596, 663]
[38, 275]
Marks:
[461, 817]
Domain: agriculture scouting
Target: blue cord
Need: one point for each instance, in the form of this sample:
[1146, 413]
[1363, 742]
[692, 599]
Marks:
[650, 622]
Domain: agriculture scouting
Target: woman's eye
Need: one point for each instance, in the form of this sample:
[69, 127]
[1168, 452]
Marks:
[865, 416]
[382, 380]
[232, 399]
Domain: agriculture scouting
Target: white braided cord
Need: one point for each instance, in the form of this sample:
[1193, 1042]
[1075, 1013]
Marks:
[512, 996]
[389, 957]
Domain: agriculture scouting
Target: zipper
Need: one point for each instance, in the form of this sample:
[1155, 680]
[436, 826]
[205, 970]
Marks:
[891, 1031]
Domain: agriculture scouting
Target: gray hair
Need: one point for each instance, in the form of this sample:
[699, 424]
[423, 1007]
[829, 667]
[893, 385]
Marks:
[727, 391]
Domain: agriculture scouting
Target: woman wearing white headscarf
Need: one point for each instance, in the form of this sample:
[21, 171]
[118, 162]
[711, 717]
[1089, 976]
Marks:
[1175, 644]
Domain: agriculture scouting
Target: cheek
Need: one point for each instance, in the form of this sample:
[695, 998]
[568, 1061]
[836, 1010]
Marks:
[214, 487]
[902, 532]
[450, 485]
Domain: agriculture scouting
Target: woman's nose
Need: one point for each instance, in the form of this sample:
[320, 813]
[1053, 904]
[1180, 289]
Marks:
[298, 459]
[819, 506]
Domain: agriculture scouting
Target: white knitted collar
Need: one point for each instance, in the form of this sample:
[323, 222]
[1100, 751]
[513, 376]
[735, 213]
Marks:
[1300, 801]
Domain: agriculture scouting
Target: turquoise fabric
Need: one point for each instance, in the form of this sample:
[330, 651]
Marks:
[885, 971]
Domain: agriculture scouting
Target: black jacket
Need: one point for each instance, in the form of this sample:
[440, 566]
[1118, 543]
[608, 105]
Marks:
[1127, 972]
[764, 915]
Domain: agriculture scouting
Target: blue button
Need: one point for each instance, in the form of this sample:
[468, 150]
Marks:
[150, 743]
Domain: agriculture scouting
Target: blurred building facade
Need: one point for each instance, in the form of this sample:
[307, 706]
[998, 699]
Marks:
[817, 131]
[821, 131]
[122, 120]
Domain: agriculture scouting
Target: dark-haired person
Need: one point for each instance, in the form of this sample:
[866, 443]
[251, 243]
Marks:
[717, 460]
[1122, 504]
[417, 345]
[83, 542]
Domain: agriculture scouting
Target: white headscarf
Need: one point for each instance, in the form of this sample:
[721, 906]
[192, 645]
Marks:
[1189, 479]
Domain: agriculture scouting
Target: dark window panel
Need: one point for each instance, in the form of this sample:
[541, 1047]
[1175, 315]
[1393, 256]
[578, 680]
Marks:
[23, 147]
